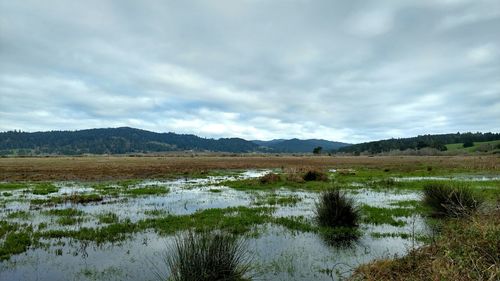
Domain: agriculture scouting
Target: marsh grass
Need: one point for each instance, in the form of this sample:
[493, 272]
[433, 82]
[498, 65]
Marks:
[270, 178]
[147, 190]
[451, 200]
[210, 256]
[335, 209]
[315, 175]
[44, 188]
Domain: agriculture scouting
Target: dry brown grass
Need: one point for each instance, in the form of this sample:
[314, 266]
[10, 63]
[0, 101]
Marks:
[115, 167]
[466, 250]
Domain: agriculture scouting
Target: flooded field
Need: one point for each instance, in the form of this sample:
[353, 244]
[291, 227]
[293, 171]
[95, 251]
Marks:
[124, 230]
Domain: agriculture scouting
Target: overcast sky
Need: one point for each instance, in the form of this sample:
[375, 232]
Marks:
[349, 71]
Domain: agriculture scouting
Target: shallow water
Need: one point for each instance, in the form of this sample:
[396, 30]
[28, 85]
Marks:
[278, 253]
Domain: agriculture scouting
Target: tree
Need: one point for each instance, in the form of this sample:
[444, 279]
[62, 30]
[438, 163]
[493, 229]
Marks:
[468, 143]
[317, 150]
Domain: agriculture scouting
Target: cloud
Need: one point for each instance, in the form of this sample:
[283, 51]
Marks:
[347, 71]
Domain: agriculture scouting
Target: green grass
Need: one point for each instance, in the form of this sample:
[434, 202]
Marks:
[44, 188]
[12, 185]
[256, 184]
[64, 212]
[147, 190]
[451, 199]
[66, 216]
[19, 215]
[235, 220]
[378, 215]
[15, 243]
[208, 256]
[108, 218]
[379, 235]
[73, 198]
[6, 227]
[297, 223]
[156, 212]
[477, 146]
[336, 209]
[69, 220]
[273, 199]
[83, 198]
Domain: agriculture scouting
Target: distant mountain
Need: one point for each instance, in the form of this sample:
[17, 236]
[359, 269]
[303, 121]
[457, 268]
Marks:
[129, 140]
[431, 141]
[300, 146]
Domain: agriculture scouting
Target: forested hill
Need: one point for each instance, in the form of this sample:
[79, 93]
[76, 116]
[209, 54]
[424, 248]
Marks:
[419, 142]
[129, 140]
[114, 141]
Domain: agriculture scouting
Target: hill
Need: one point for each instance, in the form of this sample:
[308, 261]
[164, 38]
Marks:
[300, 146]
[440, 142]
[114, 141]
[130, 140]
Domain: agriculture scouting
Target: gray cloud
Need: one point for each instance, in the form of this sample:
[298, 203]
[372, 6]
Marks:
[341, 70]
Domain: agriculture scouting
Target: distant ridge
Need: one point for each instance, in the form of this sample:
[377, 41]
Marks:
[297, 145]
[130, 140]
[438, 142]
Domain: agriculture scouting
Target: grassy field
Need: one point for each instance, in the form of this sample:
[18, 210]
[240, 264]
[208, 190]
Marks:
[478, 146]
[100, 168]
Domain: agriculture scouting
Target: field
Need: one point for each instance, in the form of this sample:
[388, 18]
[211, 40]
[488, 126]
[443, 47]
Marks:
[478, 146]
[109, 168]
[117, 218]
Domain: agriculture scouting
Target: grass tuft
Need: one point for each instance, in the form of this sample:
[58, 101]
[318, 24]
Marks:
[335, 209]
[270, 178]
[314, 175]
[210, 256]
[446, 200]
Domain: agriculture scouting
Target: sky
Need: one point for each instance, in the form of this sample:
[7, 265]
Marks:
[349, 71]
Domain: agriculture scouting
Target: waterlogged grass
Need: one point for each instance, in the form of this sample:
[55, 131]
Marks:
[147, 190]
[236, 220]
[66, 216]
[15, 243]
[12, 185]
[378, 215]
[6, 227]
[256, 184]
[379, 235]
[156, 212]
[273, 199]
[73, 198]
[24, 215]
[69, 220]
[44, 188]
[64, 212]
[108, 218]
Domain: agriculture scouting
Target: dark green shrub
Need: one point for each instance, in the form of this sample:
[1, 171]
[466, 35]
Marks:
[335, 209]
[450, 200]
[468, 144]
[314, 175]
[209, 256]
